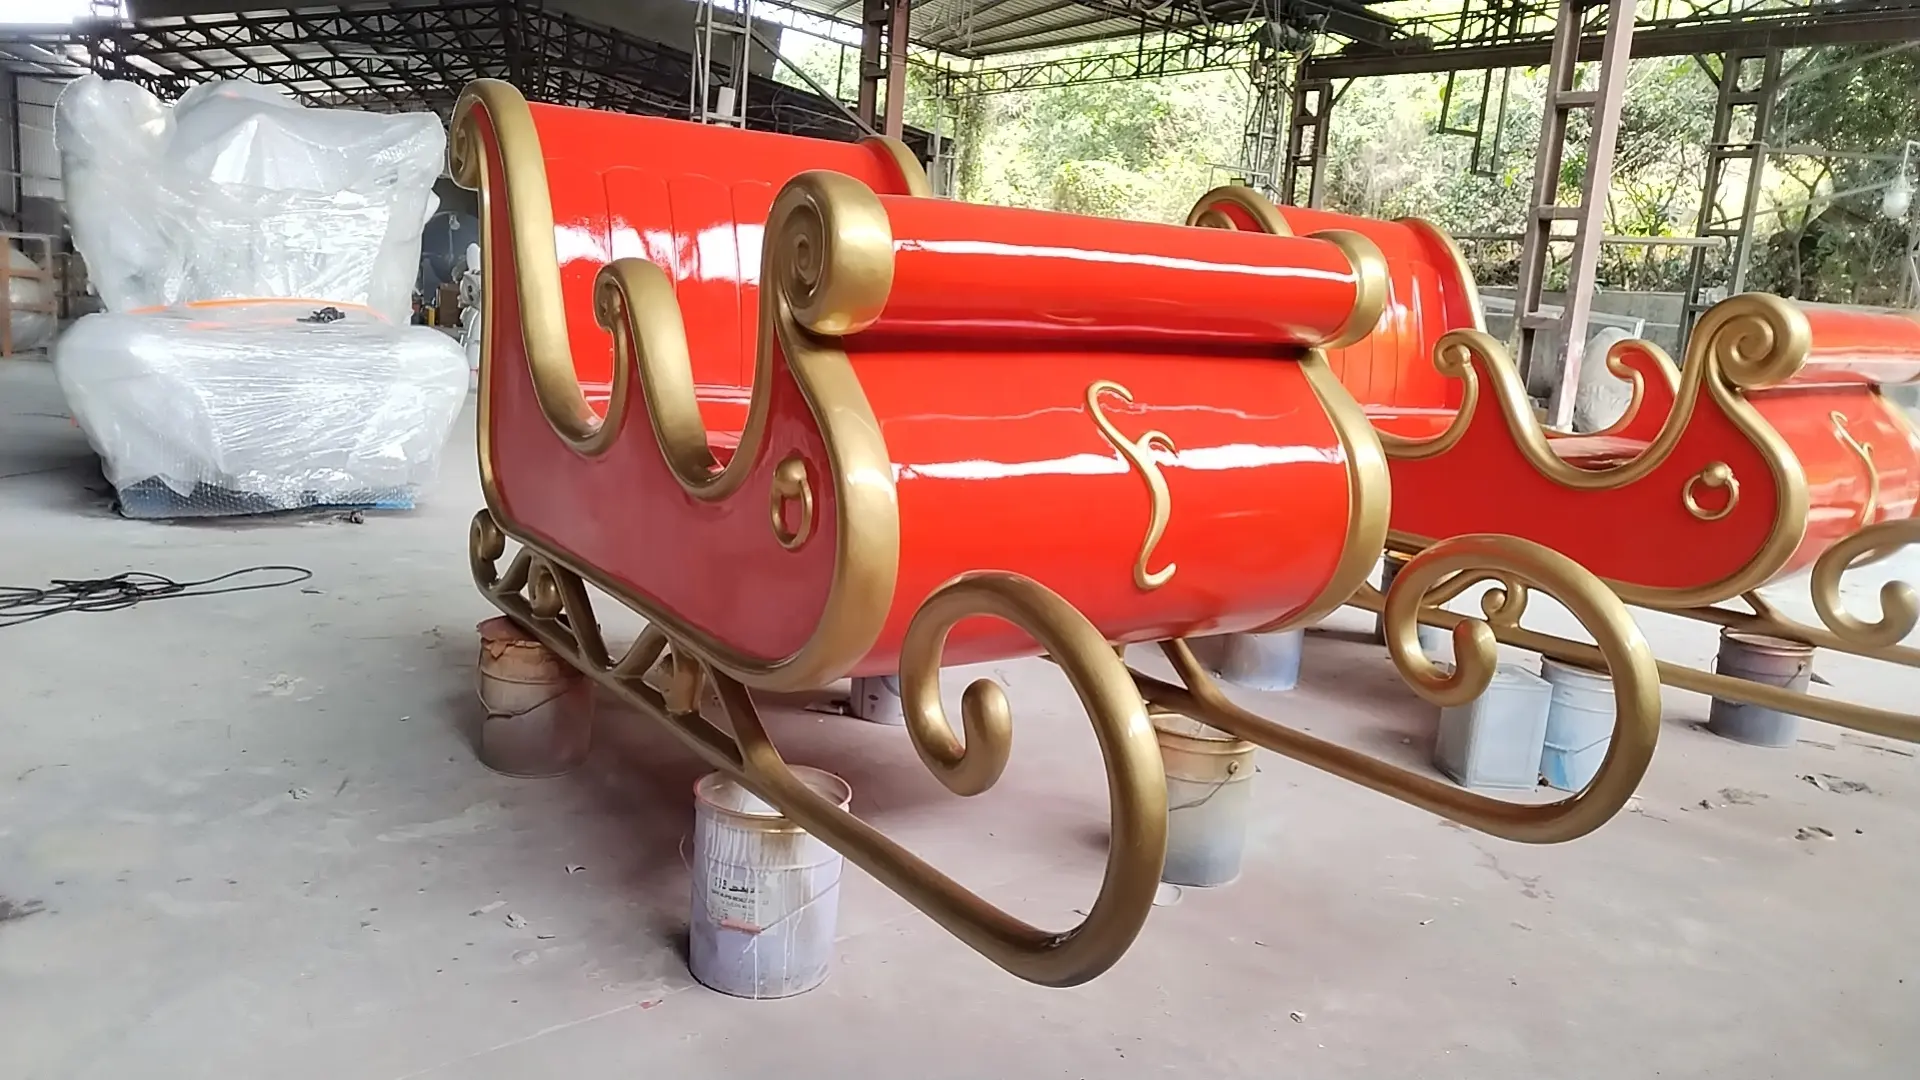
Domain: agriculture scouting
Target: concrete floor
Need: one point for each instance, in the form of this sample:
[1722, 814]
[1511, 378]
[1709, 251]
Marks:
[244, 836]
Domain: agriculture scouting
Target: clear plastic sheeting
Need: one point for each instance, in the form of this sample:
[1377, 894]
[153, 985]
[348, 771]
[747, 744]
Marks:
[248, 408]
[239, 192]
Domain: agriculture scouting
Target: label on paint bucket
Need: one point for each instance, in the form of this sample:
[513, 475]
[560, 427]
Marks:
[734, 902]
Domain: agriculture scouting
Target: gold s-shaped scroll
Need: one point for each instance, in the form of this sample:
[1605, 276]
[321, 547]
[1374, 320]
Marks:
[1138, 453]
[1865, 453]
[1717, 475]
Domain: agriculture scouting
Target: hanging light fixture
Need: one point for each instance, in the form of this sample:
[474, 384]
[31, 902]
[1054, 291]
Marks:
[1899, 197]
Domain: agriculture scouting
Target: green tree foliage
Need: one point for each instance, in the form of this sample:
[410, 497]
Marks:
[1823, 237]
[1146, 149]
[1142, 150]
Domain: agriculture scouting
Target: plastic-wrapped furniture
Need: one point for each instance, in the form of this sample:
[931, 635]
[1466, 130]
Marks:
[257, 260]
[812, 423]
[1770, 450]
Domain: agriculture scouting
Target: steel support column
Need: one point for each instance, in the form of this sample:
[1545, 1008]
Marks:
[883, 62]
[1309, 120]
[1603, 103]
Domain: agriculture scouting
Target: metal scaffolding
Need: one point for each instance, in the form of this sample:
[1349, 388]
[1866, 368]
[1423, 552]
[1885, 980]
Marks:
[1748, 85]
[412, 55]
[1568, 324]
[719, 90]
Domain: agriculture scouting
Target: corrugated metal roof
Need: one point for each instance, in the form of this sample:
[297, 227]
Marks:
[980, 28]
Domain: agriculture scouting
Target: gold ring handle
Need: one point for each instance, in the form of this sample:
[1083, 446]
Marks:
[791, 486]
[1717, 475]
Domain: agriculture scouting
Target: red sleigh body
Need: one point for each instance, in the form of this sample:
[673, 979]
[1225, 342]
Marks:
[1125, 413]
[1768, 445]
[812, 423]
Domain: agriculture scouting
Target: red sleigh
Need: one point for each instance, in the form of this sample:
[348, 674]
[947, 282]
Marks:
[811, 423]
[1768, 451]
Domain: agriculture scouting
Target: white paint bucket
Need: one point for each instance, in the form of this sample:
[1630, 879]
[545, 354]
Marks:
[539, 718]
[876, 699]
[1255, 661]
[1209, 799]
[766, 893]
[1579, 724]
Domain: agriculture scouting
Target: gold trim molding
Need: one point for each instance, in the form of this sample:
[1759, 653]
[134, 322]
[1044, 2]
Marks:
[1139, 454]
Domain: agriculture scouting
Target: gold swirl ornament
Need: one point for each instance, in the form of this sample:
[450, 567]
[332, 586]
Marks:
[1899, 604]
[1138, 453]
[1864, 452]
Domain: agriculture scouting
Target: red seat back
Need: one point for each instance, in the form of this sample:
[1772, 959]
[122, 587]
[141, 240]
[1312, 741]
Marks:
[695, 206]
[1429, 293]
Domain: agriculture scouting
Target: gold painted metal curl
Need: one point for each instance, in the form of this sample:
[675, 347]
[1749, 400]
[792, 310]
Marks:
[1210, 211]
[826, 252]
[1865, 453]
[913, 175]
[1654, 366]
[1452, 358]
[1446, 569]
[1717, 475]
[1899, 604]
[1139, 454]
[1369, 286]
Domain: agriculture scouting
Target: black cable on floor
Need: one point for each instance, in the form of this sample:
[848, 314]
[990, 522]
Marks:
[20, 604]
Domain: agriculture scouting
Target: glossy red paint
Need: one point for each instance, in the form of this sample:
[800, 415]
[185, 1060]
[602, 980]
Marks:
[1426, 296]
[1861, 346]
[978, 373]
[998, 275]
[691, 198]
[1838, 480]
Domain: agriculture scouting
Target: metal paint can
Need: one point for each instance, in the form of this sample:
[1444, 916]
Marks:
[876, 699]
[539, 710]
[1430, 637]
[1579, 724]
[1209, 799]
[1761, 659]
[1255, 661]
[766, 893]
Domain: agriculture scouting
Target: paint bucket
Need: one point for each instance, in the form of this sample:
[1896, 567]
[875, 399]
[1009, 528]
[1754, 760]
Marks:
[876, 699]
[1430, 637]
[1209, 798]
[766, 893]
[1579, 724]
[1496, 740]
[539, 719]
[1761, 659]
[1255, 661]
